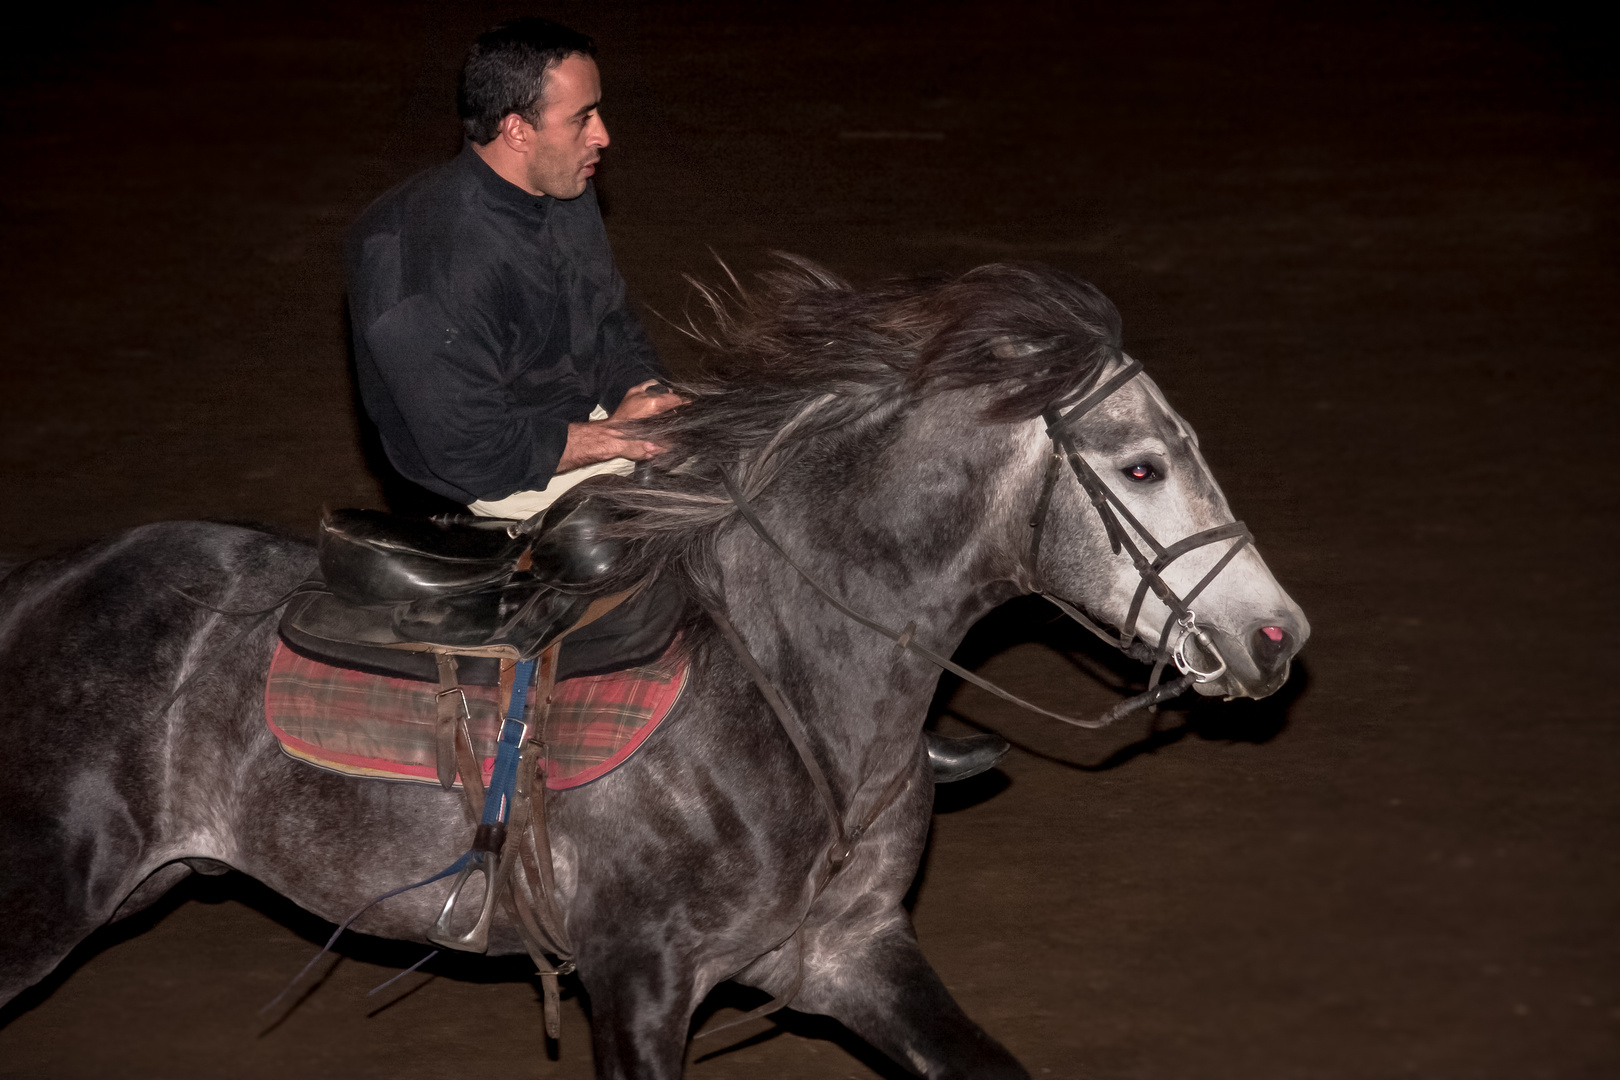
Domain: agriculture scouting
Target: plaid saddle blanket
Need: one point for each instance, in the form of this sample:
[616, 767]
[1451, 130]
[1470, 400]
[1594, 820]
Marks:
[372, 725]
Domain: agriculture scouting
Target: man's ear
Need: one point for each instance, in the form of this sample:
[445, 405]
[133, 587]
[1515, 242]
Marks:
[516, 133]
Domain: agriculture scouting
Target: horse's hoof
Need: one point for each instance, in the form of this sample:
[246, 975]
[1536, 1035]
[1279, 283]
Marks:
[958, 759]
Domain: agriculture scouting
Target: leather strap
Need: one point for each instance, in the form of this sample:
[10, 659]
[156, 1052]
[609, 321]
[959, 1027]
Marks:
[472, 773]
[838, 855]
[790, 724]
[534, 850]
[451, 706]
[1037, 521]
[451, 709]
[528, 877]
[533, 893]
[1058, 424]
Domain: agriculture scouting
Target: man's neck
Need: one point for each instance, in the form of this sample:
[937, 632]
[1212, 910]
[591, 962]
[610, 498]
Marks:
[507, 165]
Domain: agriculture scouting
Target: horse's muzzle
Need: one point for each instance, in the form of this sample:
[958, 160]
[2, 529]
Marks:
[1258, 658]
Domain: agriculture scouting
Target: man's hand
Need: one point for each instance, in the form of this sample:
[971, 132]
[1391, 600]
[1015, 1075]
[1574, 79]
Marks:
[599, 440]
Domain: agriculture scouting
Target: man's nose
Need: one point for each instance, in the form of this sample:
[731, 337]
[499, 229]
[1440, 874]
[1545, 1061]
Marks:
[599, 136]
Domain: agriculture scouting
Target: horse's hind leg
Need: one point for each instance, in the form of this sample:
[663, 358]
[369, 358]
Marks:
[151, 890]
[67, 866]
[882, 988]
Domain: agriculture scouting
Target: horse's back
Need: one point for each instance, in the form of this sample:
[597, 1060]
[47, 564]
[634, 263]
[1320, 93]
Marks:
[94, 641]
[114, 574]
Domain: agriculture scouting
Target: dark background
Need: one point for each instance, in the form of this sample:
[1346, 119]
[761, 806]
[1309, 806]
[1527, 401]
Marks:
[1368, 250]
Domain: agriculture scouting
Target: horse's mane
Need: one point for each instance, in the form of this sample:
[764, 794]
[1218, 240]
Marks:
[800, 363]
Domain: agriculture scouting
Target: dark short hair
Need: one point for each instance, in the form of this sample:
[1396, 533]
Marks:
[506, 69]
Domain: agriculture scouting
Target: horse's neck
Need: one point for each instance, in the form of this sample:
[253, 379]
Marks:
[862, 697]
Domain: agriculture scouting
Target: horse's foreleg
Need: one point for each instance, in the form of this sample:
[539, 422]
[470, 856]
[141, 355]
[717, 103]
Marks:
[641, 1005]
[883, 989]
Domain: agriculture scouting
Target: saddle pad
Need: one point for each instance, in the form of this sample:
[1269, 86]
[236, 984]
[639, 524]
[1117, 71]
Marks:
[375, 726]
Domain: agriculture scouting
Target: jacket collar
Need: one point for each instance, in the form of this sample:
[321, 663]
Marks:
[495, 187]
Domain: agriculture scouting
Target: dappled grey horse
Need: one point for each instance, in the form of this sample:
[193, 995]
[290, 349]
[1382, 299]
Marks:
[893, 443]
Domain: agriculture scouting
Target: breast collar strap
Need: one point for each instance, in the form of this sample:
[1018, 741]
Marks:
[1115, 515]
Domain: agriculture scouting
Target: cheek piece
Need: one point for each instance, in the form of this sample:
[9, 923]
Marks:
[1115, 515]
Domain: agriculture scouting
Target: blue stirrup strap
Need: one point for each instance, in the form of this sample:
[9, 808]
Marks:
[503, 778]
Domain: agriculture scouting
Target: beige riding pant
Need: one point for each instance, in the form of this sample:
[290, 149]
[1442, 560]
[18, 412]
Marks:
[522, 505]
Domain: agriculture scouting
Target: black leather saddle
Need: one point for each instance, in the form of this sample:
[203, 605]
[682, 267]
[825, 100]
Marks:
[391, 592]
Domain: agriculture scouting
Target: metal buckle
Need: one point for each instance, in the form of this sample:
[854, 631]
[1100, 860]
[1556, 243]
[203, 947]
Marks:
[1190, 629]
[466, 713]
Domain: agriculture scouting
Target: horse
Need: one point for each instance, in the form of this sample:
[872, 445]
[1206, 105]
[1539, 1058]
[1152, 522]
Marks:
[894, 442]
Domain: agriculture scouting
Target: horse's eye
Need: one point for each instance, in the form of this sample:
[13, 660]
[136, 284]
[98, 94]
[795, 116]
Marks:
[1141, 473]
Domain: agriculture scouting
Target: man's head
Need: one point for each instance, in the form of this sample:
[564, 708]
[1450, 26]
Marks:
[528, 101]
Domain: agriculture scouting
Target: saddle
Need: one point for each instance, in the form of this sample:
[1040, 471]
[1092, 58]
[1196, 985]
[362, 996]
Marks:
[392, 592]
[478, 601]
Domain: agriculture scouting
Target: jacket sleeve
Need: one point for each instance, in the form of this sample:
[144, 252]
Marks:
[443, 373]
[626, 356]
[621, 354]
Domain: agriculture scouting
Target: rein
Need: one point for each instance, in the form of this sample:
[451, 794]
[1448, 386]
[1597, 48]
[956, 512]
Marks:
[843, 844]
[902, 638]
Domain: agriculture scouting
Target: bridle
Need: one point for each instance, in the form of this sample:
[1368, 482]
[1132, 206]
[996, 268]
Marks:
[1066, 447]
[1061, 428]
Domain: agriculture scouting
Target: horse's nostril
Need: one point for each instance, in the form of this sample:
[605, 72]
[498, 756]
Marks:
[1272, 646]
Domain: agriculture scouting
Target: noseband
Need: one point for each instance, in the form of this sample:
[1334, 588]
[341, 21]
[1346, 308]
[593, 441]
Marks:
[1061, 428]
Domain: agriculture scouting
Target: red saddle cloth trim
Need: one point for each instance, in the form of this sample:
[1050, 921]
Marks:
[372, 725]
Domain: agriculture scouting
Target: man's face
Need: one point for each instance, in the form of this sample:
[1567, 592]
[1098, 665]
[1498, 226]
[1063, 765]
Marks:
[571, 136]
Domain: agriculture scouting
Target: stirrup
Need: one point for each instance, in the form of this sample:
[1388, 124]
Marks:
[475, 940]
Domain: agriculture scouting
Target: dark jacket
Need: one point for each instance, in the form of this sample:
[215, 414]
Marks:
[486, 320]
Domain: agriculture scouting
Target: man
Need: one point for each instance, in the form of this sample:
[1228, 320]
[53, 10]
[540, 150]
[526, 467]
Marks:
[494, 344]
[492, 333]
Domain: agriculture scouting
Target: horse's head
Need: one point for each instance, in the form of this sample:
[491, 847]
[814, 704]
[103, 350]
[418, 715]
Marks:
[837, 396]
[1145, 525]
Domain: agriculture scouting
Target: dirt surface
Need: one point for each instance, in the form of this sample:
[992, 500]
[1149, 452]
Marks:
[1368, 250]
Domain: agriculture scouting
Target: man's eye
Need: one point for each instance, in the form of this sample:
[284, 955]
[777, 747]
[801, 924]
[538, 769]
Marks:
[1141, 473]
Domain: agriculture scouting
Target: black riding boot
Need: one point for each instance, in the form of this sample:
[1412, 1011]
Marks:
[958, 759]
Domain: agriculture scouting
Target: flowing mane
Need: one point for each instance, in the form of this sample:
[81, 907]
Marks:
[799, 368]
